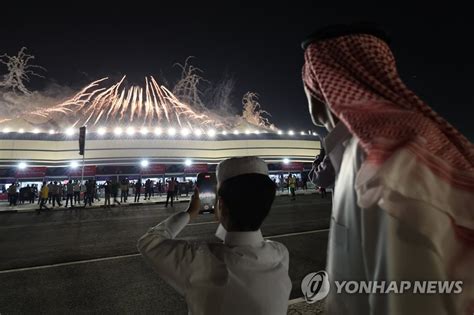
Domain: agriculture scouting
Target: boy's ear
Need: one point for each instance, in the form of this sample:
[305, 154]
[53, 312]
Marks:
[220, 208]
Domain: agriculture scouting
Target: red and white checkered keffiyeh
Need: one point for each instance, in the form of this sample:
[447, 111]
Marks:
[356, 76]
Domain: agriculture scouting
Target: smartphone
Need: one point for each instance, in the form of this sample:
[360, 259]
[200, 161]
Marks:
[207, 185]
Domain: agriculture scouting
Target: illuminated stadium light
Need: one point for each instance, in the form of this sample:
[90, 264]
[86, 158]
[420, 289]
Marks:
[257, 132]
[224, 133]
[6, 130]
[211, 132]
[101, 131]
[286, 161]
[130, 131]
[171, 132]
[280, 132]
[247, 132]
[302, 133]
[22, 165]
[315, 134]
[144, 131]
[36, 131]
[188, 162]
[69, 131]
[236, 132]
[74, 164]
[21, 130]
[158, 131]
[52, 132]
[185, 132]
[291, 132]
[144, 163]
[118, 131]
[198, 132]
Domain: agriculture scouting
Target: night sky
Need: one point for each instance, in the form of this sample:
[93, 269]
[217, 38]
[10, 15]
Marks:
[259, 45]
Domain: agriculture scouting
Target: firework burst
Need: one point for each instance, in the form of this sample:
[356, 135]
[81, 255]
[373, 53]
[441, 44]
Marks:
[149, 105]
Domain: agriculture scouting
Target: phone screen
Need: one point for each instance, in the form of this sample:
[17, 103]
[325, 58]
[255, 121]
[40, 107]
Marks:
[207, 185]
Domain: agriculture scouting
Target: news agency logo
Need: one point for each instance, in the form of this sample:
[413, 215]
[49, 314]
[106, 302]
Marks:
[315, 286]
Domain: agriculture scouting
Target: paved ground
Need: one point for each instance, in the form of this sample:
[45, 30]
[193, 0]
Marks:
[85, 261]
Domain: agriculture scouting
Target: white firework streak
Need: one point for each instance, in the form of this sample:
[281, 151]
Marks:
[149, 105]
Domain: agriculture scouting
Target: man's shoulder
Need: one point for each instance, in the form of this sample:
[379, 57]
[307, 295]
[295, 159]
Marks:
[277, 245]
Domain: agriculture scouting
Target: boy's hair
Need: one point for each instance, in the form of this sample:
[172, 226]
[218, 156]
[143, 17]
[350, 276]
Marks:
[248, 198]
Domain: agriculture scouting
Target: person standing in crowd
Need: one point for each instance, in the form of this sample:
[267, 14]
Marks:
[21, 195]
[124, 190]
[159, 187]
[69, 193]
[96, 191]
[403, 194]
[147, 189]
[77, 192]
[114, 190]
[12, 194]
[32, 195]
[177, 191]
[138, 190]
[56, 194]
[89, 194]
[190, 186]
[107, 192]
[292, 186]
[50, 192]
[243, 274]
[43, 196]
[170, 191]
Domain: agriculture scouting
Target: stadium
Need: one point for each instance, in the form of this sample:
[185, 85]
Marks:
[142, 132]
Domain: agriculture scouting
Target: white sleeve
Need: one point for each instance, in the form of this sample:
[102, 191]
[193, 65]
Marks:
[394, 251]
[170, 258]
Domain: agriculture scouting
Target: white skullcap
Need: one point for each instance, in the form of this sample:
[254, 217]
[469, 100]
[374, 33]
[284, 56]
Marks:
[239, 166]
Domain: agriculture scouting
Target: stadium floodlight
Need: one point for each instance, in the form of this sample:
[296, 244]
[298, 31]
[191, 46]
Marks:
[291, 132]
[21, 130]
[302, 133]
[52, 132]
[236, 132]
[118, 131]
[257, 132]
[6, 130]
[144, 131]
[158, 131]
[69, 131]
[247, 132]
[74, 164]
[144, 163]
[188, 162]
[286, 160]
[198, 132]
[224, 133]
[211, 133]
[36, 131]
[22, 165]
[101, 131]
[185, 132]
[171, 132]
[130, 131]
[280, 132]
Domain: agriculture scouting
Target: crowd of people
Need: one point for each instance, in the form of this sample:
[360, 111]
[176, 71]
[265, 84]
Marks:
[74, 194]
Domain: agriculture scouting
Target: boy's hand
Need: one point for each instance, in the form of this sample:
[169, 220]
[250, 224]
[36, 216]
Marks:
[194, 205]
